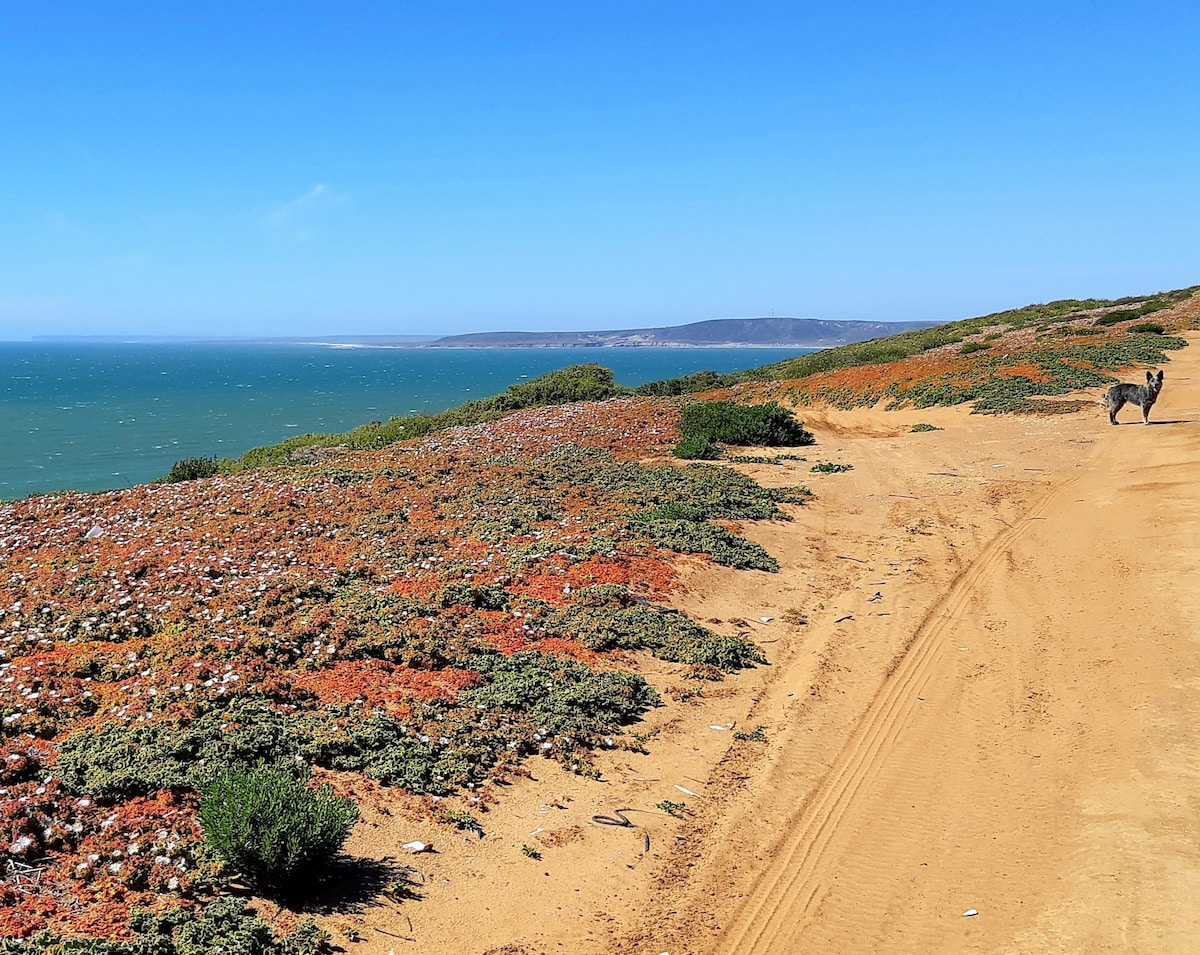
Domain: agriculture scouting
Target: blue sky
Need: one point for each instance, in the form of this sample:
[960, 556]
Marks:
[400, 168]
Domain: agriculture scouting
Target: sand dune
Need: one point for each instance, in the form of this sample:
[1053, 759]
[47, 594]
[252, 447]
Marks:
[990, 708]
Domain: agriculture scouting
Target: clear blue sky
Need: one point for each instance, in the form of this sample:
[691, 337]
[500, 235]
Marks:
[375, 168]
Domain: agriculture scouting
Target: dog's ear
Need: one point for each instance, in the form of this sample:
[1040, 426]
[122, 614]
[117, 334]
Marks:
[1149, 377]
[1159, 376]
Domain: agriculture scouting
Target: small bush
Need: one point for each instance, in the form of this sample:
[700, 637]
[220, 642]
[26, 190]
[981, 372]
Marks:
[697, 448]
[1147, 328]
[969, 347]
[1120, 315]
[686, 385]
[731, 423]
[923, 426]
[270, 826]
[189, 469]
[831, 467]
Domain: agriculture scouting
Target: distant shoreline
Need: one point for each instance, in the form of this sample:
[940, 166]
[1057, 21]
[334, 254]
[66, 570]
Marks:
[430, 343]
[572, 345]
[807, 333]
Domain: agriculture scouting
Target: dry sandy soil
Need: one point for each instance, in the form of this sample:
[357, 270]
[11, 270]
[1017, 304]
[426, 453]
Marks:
[990, 708]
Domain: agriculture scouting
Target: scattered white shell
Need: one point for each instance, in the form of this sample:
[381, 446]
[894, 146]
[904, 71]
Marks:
[686, 792]
[969, 913]
[714, 726]
[766, 619]
[415, 847]
[96, 531]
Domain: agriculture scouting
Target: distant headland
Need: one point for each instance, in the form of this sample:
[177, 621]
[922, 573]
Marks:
[718, 332]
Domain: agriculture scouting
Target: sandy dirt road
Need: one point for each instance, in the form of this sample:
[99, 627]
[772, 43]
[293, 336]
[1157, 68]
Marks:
[992, 706]
[1030, 749]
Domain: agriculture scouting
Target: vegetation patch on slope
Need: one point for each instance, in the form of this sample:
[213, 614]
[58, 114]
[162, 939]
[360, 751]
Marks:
[426, 615]
[833, 379]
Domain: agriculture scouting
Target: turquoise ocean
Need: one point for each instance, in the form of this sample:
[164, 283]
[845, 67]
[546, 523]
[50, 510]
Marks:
[91, 416]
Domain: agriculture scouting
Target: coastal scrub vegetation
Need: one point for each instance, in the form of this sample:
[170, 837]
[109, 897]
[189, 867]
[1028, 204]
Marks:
[906, 345]
[425, 615]
[1022, 371]
[189, 469]
[421, 614]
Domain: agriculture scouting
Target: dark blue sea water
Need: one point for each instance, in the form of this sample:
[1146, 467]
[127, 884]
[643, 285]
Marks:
[96, 416]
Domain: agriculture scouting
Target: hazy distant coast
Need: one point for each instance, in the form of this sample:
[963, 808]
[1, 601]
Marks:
[715, 333]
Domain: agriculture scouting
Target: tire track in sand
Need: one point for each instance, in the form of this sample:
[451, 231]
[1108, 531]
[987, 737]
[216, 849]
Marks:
[788, 894]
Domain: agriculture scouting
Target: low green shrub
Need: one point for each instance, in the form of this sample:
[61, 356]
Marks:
[685, 385]
[969, 347]
[189, 469]
[724, 653]
[273, 828]
[702, 537]
[731, 423]
[607, 617]
[1119, 315]
[923, 426]
[831, 467]
[1147, 328]
[119, 761]
[224, 925]
[714, 490]
[559, 695]
[697, 448]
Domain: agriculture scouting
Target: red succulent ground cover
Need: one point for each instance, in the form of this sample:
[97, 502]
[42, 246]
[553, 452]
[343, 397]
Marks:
[130, 607]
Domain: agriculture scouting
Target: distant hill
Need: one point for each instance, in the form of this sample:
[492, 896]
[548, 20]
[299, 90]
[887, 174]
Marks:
[798, 332]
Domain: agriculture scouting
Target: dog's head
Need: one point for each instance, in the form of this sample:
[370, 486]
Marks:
[1154, 382]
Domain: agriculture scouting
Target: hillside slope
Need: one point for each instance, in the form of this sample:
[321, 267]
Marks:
[506, 636]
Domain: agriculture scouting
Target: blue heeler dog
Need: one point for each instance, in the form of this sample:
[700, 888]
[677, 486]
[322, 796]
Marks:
[1143, 396]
